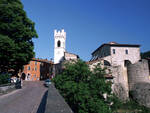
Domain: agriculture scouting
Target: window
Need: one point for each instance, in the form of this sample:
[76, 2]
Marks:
[28, 67]
[106, 63]
[35, 62]
[35, 68]
[126, 51]
[34, 75]
[58, 43]
[114, 52]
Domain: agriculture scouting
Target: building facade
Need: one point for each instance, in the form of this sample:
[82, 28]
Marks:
[70, 56]
[37, 69]
[59, 45]
[123, 62]
[117, 54]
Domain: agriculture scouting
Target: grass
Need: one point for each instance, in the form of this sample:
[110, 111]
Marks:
[132, 107]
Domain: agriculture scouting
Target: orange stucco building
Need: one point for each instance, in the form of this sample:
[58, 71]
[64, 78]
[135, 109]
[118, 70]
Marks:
[37, 69]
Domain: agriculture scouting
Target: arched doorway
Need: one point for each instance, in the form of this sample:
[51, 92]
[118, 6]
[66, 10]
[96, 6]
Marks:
[28, 76]
[23, 76]
[106, 63]
[127, 62]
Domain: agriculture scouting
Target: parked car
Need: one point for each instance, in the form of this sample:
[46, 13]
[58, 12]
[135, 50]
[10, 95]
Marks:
[13, 79]
[47, 82]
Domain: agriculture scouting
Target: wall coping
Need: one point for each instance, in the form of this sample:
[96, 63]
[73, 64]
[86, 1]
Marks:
[55, 102]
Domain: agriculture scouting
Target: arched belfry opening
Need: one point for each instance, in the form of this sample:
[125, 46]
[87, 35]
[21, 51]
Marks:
[127, 62]
[58, 43]
[106, 63]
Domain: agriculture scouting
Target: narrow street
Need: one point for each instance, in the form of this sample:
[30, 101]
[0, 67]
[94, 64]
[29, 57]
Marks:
[30, 99]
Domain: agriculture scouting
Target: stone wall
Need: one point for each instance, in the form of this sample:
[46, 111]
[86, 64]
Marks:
[7, 88]
[141, 93]
[137, 73]
[120, 82]
[139, 82]
[55, 102]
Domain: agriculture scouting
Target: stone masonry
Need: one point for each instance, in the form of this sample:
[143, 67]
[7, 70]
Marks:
[128, 70]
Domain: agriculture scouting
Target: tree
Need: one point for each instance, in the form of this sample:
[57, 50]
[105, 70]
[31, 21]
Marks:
[145, 55]
[83, 89]
[16, 33]
[7, 50]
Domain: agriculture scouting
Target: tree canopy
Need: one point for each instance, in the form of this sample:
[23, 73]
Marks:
[83, 89]
[145, 55]
[16, 33]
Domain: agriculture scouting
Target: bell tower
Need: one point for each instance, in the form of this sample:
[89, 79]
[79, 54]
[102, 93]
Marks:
[59, 45]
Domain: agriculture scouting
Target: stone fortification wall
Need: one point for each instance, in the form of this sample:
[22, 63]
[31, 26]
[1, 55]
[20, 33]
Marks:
[139, 82]
[120, 82]
[138, 73]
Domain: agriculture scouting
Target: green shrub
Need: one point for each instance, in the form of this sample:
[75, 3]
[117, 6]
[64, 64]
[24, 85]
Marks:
[4, 78]
[83, 89]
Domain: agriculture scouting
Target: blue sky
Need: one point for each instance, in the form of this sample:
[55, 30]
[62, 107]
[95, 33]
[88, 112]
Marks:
[89, 23]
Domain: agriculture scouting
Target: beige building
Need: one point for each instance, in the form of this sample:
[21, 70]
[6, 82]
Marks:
[115, 54]
[70, 56]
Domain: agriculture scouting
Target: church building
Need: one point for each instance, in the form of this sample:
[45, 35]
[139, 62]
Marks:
[61, 56]
[60, 53]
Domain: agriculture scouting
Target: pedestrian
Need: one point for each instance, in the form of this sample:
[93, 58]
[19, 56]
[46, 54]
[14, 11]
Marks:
[21, 81]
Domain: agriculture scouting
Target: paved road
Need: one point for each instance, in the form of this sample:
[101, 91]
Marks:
[30, 99]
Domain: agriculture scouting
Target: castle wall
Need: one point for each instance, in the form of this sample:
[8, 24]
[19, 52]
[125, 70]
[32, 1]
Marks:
[120, 82]
[138, 73]
[129, 73]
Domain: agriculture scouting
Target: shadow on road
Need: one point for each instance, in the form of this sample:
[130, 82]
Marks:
[42, 105]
